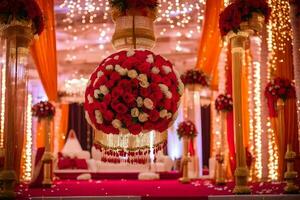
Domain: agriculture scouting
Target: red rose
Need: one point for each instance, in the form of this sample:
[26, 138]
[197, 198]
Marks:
[130, 63]
[107, 99]
[144, 92]
[108, 116]
[101, 106]
[125, 84]
[120, 108]
[135, 129]
[156, 78]
[128, 98]
[115, 76]
[117, 92]
[100, 81]
[144, 68]
[167, 104]
[154, 115]
[281, 91]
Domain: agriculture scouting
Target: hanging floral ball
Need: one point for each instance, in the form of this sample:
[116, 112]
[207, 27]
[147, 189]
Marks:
[224, 103]
[22, 10]
[187, 128]
[131, 92]
[43, 109]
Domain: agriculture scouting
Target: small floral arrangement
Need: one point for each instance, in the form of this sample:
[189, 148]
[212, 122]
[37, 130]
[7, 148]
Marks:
[133, 91]
[240, 11]
[43, 109]
[224, 103]
[187, 128]
[220, 158]
[193, 76]
[279, 88]
[22, 10]
[125, 5]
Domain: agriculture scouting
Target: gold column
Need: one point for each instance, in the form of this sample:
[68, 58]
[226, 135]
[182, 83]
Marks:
[47, 157]
[184, 160]
[220, 179]
[18, 37]
[238, 43]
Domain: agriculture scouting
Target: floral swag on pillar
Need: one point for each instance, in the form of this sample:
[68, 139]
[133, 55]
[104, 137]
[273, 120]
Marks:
[238, 21]
[45, 112]
[187, 131]
[195, 79]
[128, 95]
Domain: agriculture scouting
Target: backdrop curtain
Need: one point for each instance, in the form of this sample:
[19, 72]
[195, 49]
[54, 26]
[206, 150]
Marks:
[77, 122]
[43, 51]
[63, 126]
[205, 118]
[210, 43]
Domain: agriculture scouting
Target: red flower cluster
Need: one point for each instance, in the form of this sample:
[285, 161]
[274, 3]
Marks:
[195, 77]
[278, 88]
[224, 103]
[220, 158]
[187, 128]
[43, 109]
[240, 11]
[133, 91]
[22, 10]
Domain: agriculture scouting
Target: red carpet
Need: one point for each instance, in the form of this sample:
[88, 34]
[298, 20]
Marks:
[161, 189]
[117, 176]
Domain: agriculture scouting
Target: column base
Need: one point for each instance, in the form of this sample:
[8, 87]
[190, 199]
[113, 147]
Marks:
[241, 180]
[8, 179]
[184, 180]
[221, 181]
[291, 188]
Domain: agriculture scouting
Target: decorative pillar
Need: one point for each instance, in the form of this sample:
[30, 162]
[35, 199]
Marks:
[238, 44]
[184, 161]
[220, 179]
[281, 133]
[18, 36]
[47, 157]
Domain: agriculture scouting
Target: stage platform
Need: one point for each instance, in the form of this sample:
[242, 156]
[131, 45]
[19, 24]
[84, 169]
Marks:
[150, 190]
[172, 175]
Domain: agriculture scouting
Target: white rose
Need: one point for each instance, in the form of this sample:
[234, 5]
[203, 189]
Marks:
[143, 117]
[142, 78]
[135, 112]
[132, 74]
[103, 89]
[180, 87]
[116, 57]
[166, 69]
[121, 70]
[150, 58]
[98, 116]
[109, 67]
[155, 70]
[168, 94]
[117, 123]
[148, 104]
[163, 87]
[130, 53]
[163, 113]
[99, 74]
[169, 115]
[96, 93]
[177, 74]
[144, 84]
[139, 101]
[124, 130]
[90, 99]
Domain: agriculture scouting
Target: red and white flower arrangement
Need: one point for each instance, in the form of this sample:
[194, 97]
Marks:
[279, 88]
[224, 103]
[193, 76]
[133, 91]
[219, 157]
[187, 129]
[241, 11]
[12, 11]
[43, 109]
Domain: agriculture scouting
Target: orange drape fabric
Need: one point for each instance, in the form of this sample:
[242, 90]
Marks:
[41, 132]
[63, 126]
[210, 43]
[43, 51]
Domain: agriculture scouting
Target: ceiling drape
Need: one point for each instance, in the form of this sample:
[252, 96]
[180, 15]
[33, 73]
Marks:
[43, 51]
[210, 43]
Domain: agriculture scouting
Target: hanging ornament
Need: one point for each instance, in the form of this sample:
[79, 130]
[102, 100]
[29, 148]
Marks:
[132, 92]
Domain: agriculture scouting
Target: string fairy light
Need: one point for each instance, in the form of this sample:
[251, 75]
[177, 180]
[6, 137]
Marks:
[27, 167]
[279, 35]
[2, 107]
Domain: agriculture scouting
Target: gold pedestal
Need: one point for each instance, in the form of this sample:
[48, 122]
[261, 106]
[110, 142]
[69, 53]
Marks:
[184, 161]
[220, 179]
[290, 175]
[47, 162]
[241, 178]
